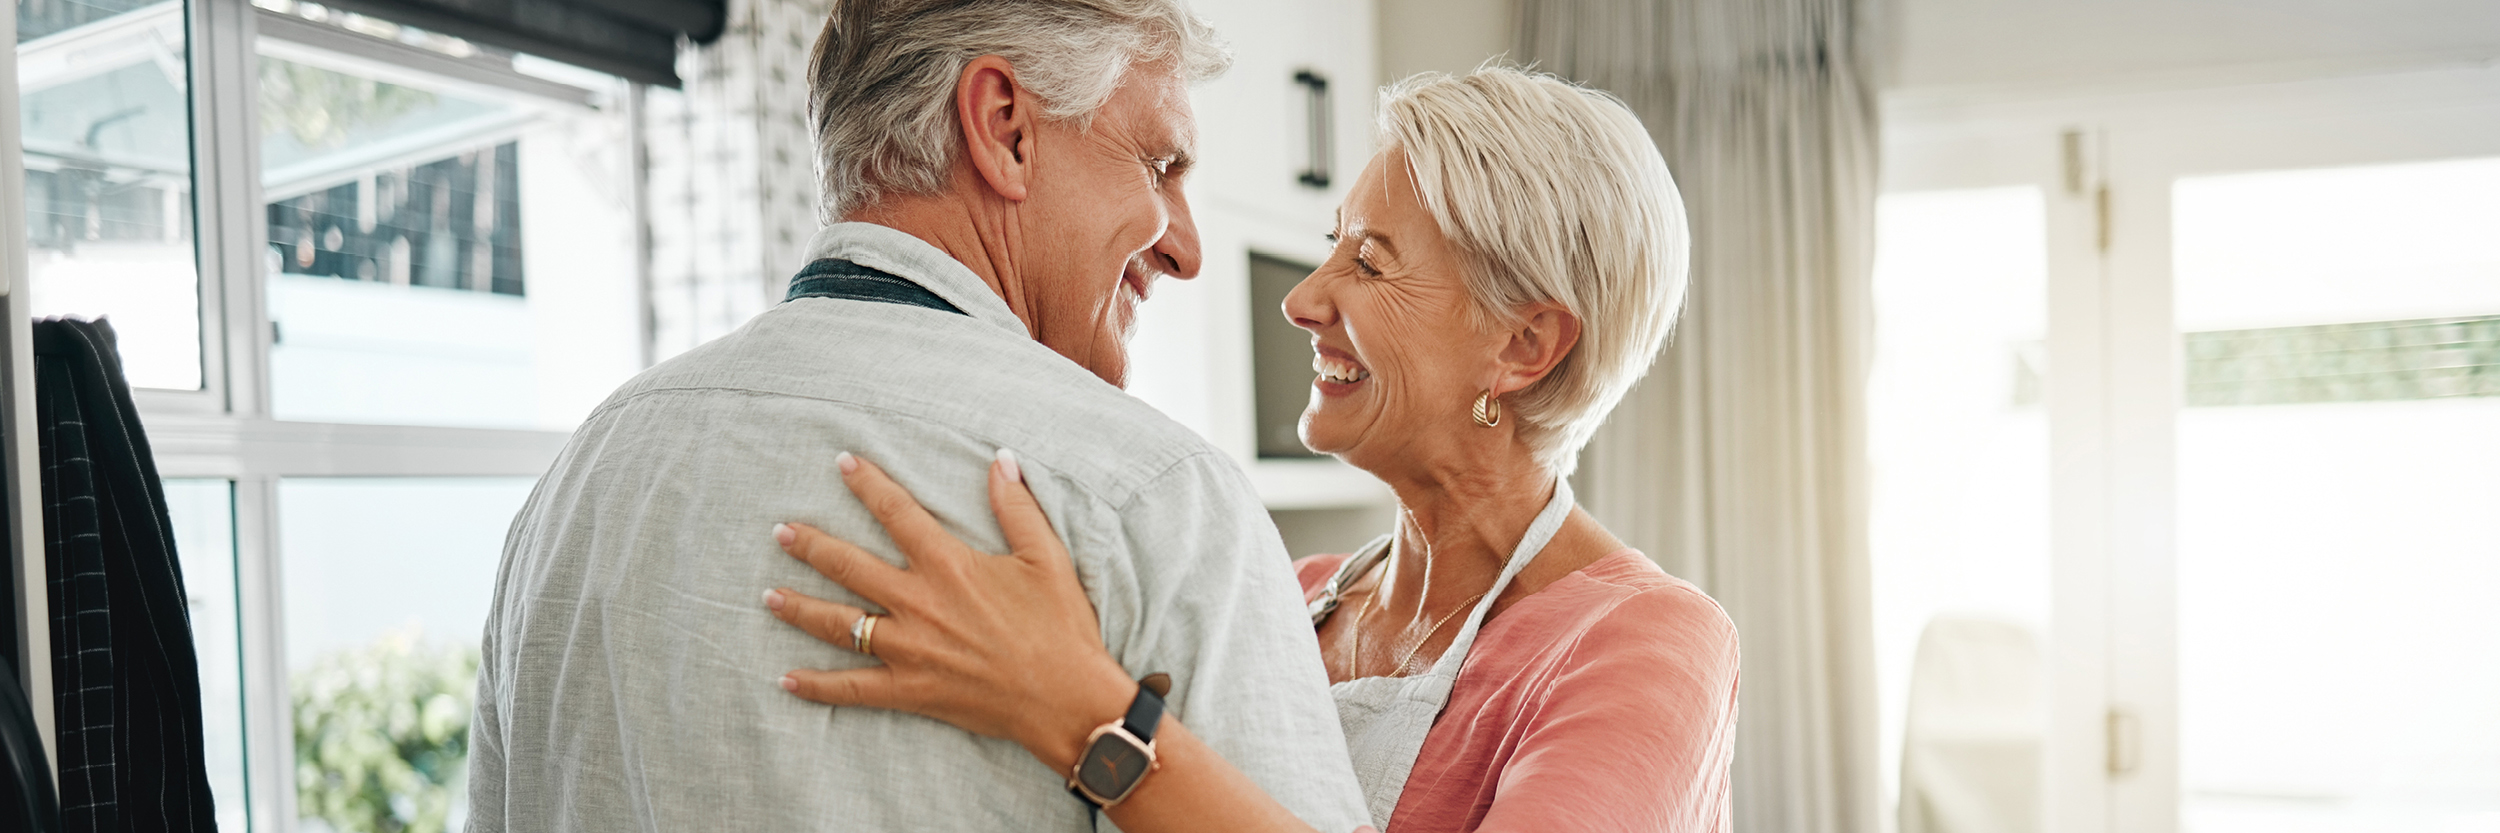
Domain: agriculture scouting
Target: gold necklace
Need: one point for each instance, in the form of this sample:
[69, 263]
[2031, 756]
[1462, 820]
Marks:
[1354, 664]
[1436, 628]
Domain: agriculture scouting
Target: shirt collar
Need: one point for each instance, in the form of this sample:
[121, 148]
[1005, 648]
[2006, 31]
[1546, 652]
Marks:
[891, 250]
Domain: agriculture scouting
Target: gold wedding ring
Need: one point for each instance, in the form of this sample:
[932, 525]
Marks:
[864, 633]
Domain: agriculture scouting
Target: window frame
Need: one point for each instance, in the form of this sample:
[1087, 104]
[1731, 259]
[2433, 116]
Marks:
[225, 429]
[2107, 159]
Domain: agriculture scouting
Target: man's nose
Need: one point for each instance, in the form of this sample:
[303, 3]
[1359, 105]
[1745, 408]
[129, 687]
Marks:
[1178, 248]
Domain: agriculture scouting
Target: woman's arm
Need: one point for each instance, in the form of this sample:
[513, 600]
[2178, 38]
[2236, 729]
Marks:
[1004, 646]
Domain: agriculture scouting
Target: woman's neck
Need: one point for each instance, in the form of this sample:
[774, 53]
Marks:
[1457, 527]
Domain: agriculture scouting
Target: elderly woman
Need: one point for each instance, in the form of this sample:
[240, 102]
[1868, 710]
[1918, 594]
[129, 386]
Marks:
[1506, 267]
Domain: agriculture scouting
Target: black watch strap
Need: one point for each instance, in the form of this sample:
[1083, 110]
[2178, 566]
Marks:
[1144, 714]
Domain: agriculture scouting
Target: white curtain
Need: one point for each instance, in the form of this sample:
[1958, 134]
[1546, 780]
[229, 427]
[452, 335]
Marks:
[1739, 464]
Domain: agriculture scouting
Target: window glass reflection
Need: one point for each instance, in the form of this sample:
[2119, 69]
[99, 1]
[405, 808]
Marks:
[106, 130]
[202, 513]
[442, 252]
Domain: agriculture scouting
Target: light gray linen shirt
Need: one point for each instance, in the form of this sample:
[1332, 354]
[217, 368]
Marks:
[629, 674]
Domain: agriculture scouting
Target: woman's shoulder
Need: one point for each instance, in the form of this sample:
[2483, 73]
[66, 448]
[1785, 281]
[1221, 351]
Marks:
[1313, 571]
[1624, 605]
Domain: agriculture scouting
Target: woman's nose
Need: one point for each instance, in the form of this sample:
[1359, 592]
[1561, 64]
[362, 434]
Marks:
[1307, 305]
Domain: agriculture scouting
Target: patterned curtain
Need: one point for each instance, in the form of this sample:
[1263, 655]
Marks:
[1740, 464]
[732, 174]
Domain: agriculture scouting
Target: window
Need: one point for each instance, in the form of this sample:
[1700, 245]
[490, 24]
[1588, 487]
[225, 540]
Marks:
[202, 512]
[1958, 440]
[440, 251]
[388, 581]
[2337, 473]
[2268, 375]
[103, 114]
[365, 319]
[448, 243]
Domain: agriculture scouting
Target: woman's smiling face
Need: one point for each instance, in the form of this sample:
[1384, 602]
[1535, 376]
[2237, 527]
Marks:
[1399, 352]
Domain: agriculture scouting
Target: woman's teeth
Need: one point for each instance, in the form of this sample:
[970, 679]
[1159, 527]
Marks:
[1338, 370]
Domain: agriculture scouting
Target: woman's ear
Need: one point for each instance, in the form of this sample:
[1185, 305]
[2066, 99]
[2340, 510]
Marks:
[1544, 334]
[997, 116]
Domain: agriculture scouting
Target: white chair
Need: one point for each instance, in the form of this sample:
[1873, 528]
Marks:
[1978, 719]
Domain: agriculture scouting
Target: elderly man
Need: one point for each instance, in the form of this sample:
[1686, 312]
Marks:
[1008, 176]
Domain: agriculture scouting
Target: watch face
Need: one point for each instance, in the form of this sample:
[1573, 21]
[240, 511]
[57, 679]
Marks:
[1112, 766]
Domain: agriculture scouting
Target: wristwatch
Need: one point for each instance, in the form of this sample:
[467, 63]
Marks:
[1119, 754]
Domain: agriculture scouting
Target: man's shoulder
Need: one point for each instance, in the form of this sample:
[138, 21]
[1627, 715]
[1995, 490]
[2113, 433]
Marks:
[851, 363]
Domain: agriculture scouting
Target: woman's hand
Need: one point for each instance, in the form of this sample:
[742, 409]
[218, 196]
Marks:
[1005, 646]
[1000, 645]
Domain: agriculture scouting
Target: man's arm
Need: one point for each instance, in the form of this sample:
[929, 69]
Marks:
[486, 754]
[486, 727]
[1217, 607]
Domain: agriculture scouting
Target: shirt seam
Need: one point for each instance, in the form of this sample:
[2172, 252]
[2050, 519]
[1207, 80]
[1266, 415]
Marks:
[1167, 470]
[1545, 693]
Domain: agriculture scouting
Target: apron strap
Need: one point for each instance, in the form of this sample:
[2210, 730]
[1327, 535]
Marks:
[1540, 532]
[1354, 567]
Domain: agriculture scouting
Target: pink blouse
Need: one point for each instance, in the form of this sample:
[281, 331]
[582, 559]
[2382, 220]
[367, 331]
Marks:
[1605, 701]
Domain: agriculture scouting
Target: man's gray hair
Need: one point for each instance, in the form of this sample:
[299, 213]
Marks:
[881, 85]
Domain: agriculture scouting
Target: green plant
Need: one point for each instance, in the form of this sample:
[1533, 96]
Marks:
[382, 734]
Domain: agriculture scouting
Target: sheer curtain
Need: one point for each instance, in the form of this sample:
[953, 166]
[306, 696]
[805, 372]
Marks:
[1739, 464]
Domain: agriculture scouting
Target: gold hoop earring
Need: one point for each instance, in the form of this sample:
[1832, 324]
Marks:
[1488, 410]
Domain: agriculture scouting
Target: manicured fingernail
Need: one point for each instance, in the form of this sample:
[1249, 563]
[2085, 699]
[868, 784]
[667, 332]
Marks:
[789, 683]
[1007, 464]
[783, 534]
[773, 599]
[846, 462]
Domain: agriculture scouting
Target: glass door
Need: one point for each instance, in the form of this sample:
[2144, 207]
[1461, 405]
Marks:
[2305, 629]
[2339, 472]
[1982, 661]
[1959, 445]
[2268, 429]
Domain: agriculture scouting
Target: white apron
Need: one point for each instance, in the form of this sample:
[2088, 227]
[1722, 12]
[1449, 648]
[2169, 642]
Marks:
[1386, 718]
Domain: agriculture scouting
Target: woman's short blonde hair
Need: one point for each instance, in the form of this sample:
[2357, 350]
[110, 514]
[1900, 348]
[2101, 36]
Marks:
[1550, 192]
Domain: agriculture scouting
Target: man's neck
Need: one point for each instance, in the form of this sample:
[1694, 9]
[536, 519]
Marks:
[978, 236]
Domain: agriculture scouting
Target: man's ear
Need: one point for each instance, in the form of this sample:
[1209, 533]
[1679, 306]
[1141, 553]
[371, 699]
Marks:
[998, 119]
[1546, 332]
